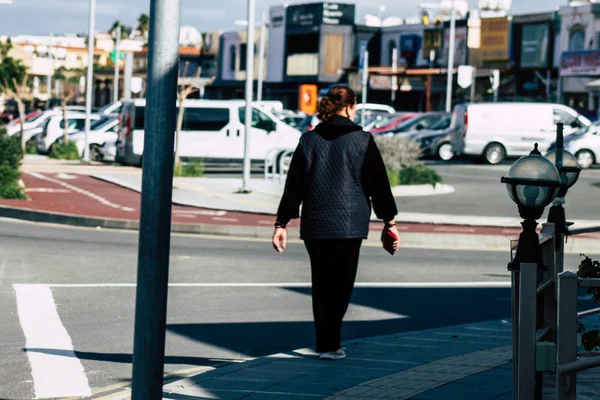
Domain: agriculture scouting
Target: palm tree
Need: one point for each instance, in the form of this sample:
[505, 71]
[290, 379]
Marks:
[125, 30]
[143, 25]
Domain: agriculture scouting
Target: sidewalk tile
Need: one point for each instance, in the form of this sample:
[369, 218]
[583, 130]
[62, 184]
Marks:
[308, 388]
[234, 384]
[279, 396]
[457, 390]
[194, 392]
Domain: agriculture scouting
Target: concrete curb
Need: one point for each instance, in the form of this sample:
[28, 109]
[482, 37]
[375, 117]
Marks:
[422, 190]
[412, 240]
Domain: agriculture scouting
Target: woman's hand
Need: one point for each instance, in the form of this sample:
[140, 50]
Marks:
[279, 239]
[391, 226]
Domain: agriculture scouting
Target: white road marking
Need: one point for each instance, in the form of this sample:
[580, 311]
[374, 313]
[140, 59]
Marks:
[100, 199]
[54, 375]
[453, 229]
[225, 219]
[399, 285]
[47, 190]
[66, 176]
[211, 213]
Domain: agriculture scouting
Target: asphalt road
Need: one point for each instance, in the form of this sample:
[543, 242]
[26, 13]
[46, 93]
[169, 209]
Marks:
[480, 193]
[208, 325]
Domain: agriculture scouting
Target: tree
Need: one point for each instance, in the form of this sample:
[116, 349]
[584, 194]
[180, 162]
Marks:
[17, 91]
[143, 25]
[11, 69]
[68, 94]
[125, 30]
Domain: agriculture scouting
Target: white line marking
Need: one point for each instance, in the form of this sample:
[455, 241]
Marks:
[46, 190]
[100, 199]
[454, 229]
[400, 285]
[53, 375]
[201, 212]
[66, 176]
[225, 219]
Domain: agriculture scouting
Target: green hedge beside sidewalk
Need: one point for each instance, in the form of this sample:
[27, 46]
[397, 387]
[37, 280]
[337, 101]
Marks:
[11, 156]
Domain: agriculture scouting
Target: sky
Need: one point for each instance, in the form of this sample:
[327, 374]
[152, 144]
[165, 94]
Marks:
[40, 17]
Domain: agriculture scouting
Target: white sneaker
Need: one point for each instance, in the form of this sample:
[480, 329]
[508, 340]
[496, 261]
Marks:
[333, 355]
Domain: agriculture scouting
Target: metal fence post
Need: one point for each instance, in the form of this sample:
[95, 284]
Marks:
[157, 189]
[566, 343]
[527, 331]
[549, 298]
[515, 277]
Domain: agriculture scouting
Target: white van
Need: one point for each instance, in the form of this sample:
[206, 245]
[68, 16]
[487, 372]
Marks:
[495, 131]
[211, 130]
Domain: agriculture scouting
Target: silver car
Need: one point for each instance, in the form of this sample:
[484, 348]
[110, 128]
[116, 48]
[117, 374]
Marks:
[585, 145]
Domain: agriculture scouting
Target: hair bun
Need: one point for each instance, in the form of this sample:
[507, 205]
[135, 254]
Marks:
[338, 98]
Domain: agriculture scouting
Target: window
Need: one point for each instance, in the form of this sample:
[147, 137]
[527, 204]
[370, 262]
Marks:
[577, 39]
[140, 114]
[232, 56]
[243, 54]
[441, 125]
[566, 118]
[205, 119]
[334, 54]
[258, 118]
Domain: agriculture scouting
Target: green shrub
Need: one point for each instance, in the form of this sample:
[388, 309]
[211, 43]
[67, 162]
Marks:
[30, 147]
[64, 151]
[415, 175]
[10, 150]
[9, 183]
[419, 175]
[191, 170]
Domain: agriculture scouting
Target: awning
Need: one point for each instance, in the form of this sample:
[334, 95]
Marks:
[594, 85]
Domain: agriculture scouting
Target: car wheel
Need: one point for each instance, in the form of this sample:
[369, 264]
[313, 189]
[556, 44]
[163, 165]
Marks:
[445, 152]
[494, 154]
[286, 161]
[95, 154]
[585, 159]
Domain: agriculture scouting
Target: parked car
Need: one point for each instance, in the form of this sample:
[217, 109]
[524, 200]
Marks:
[436, 141]
[291, 118]
[6, 117]
[495, 131]
[101, 131]
[111, 109]
[272, 106]
[371, 110]
[54, 129]
[108, 151]
[420, 122]
[387, 122]
[585, 145]
[37, 121]
[70, 108]
[211, 130]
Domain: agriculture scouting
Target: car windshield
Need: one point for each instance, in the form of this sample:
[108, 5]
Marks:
[99, 124]
[442, 124]
[592, 128]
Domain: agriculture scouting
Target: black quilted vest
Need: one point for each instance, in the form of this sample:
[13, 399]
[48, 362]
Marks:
[335, 204]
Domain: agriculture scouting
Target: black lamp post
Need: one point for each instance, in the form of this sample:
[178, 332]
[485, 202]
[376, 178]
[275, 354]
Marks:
[569, 171]
[532, 183]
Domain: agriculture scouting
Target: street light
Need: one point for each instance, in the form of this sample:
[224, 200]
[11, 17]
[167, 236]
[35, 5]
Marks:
[569, 170]
[249, 97]
[451, 48]
[89, 83]
[532, 183]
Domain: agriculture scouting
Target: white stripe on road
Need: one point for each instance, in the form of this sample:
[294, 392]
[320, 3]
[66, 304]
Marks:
[96, 197]
[399, 285]
[53, 375]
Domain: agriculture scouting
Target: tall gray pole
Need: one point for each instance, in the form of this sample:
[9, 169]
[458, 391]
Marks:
[157, 188]
[261, 56]
[249, 88]
[49, 81]
[117, 58]
[451, 58]
[394, 76]
[128, 76]
[89, 81]
[548, 87]
[473, 86]
[365, 86]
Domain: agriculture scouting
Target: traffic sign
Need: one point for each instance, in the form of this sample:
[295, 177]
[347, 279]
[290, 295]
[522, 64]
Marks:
[465, 76]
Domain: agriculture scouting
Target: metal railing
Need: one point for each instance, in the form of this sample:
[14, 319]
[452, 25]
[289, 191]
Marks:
[275, 164]
[544, 315]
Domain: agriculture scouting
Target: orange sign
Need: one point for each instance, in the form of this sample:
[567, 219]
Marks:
[494, 38]
[308, 99]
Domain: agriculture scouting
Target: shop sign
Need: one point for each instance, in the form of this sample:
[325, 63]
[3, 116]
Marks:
[574, 63]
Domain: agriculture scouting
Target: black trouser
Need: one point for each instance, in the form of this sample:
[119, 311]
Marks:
[333, 264]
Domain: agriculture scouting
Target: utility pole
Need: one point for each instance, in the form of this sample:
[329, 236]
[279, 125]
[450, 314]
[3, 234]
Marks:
[394, 76]
[261, 57]
[117, 59]
[249, 88]
[89, 81]
[49, 78]
[157, 189]
[128, 75]
[451, 58]
[365, 82]
[473, 86]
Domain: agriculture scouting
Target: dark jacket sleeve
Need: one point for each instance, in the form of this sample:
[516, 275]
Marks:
[289, 207]
[377, 184]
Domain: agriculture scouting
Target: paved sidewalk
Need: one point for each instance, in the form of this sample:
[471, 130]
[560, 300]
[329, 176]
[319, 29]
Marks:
[215, 193]
[451, 363]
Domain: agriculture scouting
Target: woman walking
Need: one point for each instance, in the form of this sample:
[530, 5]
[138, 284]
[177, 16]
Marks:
[336, 173]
